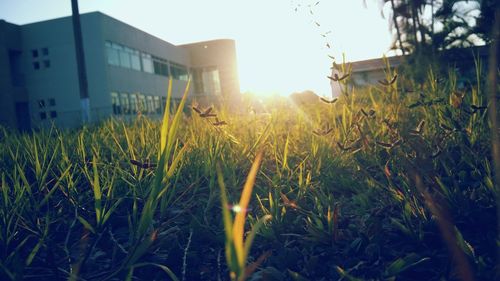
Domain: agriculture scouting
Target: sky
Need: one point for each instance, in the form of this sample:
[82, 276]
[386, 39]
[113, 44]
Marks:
[281, 45]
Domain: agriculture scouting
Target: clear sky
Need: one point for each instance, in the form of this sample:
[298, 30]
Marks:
[279, 43]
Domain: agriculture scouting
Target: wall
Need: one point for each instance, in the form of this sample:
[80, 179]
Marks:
[59, 81]
[128, 80]
[12, 90]
[222, 54]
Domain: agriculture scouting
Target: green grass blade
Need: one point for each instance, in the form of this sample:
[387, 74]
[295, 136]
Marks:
[97, 192]
[166, 117]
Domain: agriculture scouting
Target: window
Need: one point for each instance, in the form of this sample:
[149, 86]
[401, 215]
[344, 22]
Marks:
[41, 103]
[141, 105]
[36, 65]
[124, 103]
[198, 81]
[150, 104]
[163, 102]
[160, 66]
[133, 103]
[125, 57]
[115, 103]
[34, 53]
[113, 54]
[157, 67]
[53, 114]
[46, 63]
[206, 81]
[179, 72]
[45, 51]
[211, 82]
[52, 102]
[17, 77]
[147, 63]
[157, 105]
[135, 60]
[43, 115]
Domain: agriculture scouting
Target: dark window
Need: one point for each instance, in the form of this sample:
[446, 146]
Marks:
[45, 51]
[160, 66]
[16, 76]
[179, 72]
[157, 105]
[43, 115]
[115, 103]
[52, 102]
[36, 65]
[133, 103]
[124, 103]
[163, 102]
[23, 116]
[34, 53]
[53, 114]
[41, 103]
[46, 63]
[157, 67]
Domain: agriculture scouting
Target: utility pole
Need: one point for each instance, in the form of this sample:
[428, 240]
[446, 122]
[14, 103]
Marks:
[80, 63]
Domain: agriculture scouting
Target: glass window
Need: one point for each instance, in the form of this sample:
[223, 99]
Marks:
[179, 72]
[34, 53]
[113, 54]
[36, 65]
[147, 63]
[141, 105]
[53, 114]
[211, 82]
[157, 105]
[160, 66]
[43, 115]
[157, 67]
[163, 102]
[124, 103]
[124, 57]
[41, 103]
[133, 103]
[115, 103]
[135, 60]
[164, 69]
[150, 103]
[197, 80]
[216, 81]
[45, 51]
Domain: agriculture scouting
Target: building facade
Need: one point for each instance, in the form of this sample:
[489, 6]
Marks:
[127, 71]
[368, 72]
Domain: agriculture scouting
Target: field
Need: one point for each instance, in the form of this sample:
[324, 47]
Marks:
[394, 182]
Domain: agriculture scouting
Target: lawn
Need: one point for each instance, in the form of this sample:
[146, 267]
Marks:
[391, 182]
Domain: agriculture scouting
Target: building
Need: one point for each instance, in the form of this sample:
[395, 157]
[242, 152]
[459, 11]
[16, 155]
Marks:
[127, 71]
[369, 72]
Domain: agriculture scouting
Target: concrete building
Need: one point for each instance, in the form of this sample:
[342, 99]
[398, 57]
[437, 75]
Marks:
[369, 72]
[127, 71]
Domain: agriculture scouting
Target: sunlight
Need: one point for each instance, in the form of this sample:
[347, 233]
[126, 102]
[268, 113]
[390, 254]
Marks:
[282, 45]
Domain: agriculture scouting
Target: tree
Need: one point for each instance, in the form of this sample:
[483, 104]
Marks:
[431, 25]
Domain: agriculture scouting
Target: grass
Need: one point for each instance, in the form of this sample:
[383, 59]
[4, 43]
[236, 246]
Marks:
[380, 184]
